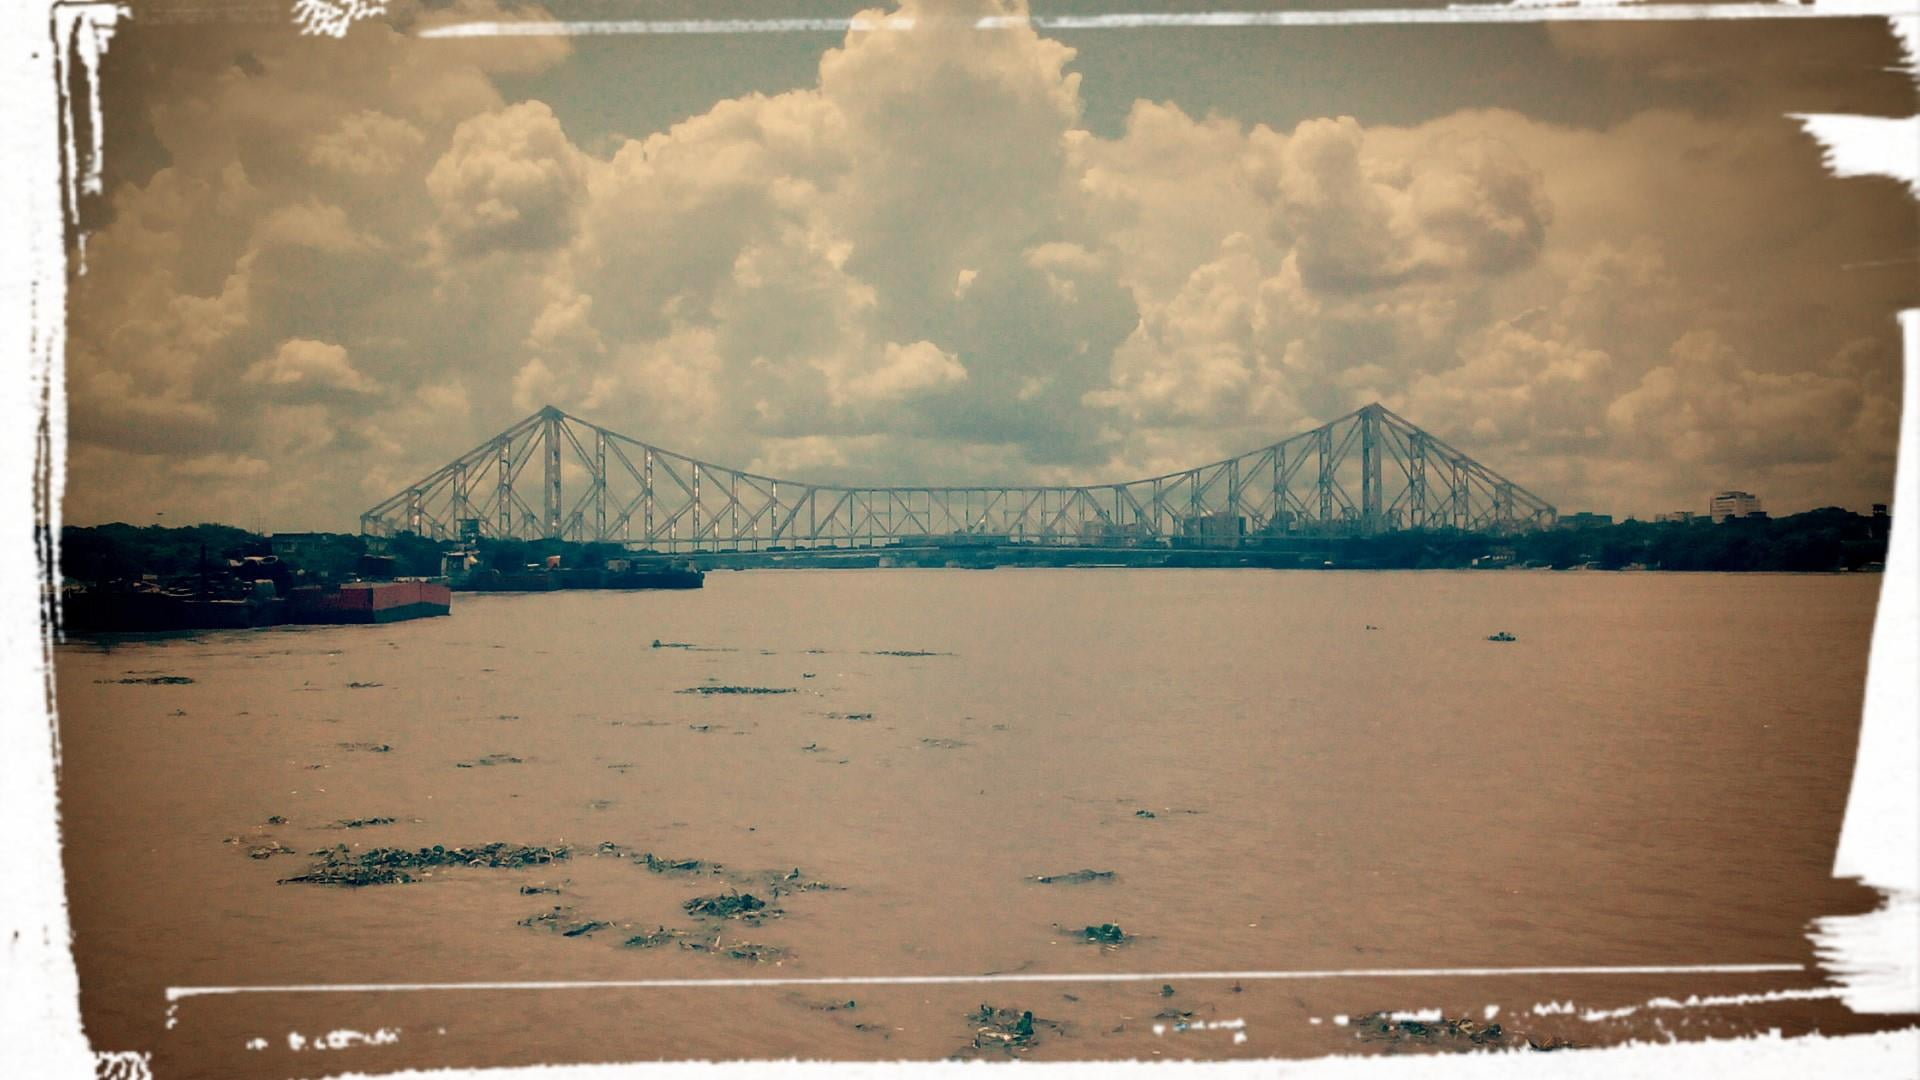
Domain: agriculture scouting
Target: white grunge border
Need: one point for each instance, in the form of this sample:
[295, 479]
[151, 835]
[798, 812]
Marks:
[1874, 959]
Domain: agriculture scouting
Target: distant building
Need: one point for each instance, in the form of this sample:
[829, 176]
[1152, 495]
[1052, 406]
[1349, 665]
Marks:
[292, 543]
[1218, 528]
[1678, 517]
[1733, 504]
[1585, 520]
[1104, 533]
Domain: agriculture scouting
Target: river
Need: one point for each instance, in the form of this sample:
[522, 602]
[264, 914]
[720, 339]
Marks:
[1305, 773]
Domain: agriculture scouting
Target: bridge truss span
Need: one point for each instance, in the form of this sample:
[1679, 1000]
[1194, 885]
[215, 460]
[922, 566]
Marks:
[556, 476]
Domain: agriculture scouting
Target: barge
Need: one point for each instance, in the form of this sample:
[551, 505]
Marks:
[368, 602]
[152, 610]
[547, 580]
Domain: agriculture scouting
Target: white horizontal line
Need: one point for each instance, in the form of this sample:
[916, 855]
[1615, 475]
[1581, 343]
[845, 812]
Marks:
[1465, 13]
[175, 993]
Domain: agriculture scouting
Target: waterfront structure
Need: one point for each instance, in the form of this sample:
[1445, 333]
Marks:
[1367, 473]
[1733, 504]
[1585, 520]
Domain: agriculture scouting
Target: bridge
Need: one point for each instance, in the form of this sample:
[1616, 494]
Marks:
[1367, 473]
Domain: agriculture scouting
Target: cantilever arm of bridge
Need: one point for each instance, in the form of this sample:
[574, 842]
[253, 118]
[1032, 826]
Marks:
[1366, 473]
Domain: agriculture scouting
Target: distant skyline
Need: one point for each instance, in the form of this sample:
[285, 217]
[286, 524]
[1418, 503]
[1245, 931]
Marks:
[1599, 258]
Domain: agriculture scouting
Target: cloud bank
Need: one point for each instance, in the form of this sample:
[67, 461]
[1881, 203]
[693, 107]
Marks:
[361, 258]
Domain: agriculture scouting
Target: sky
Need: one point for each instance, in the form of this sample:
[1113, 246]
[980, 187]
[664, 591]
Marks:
[1601, 259]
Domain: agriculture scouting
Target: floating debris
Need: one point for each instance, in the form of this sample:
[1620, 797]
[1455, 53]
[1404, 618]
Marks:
[1148, 814]
[851, 717]
[276, 820]
[362, 685]
[1078, 877]
[536, 890]
[1502, 636]
[1009, 1031]
[738, 950]
[268, 850]
[1460, 1034]
[670, 866]
[1105, 934]
[150, 680]
[906, 652]
[371, 748]
[390, 866]
[658, 644]
[942, 744]
[793, 881]
[654, 940]
[560, 921]
[490, 759]
[733, 905]
[737, 690]
[360, 823]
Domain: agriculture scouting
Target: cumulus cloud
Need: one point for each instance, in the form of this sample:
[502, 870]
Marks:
[1707, 404]
[304, 365]
[922, 267]
[905, 370]
[368, 143]
[1457, 205]
[510, 180]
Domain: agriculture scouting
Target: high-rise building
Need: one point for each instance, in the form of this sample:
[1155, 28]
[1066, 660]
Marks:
[1733, 504]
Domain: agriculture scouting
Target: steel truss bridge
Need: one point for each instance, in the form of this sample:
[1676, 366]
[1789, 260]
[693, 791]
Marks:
[1366, 473]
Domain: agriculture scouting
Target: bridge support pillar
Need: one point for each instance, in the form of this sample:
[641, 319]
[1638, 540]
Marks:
[550, 526]
[1369, 471]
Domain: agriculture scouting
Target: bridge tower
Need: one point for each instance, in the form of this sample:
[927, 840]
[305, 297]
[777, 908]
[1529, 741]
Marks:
[550, 445]
[1370, 488]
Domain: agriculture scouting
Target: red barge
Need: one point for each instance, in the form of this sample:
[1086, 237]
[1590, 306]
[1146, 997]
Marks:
[368, 602]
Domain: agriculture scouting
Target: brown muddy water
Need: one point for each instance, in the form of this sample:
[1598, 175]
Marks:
[1342, 773]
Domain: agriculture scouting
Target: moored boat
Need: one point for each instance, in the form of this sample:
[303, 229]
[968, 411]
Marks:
[369, 602]
[665, 577]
